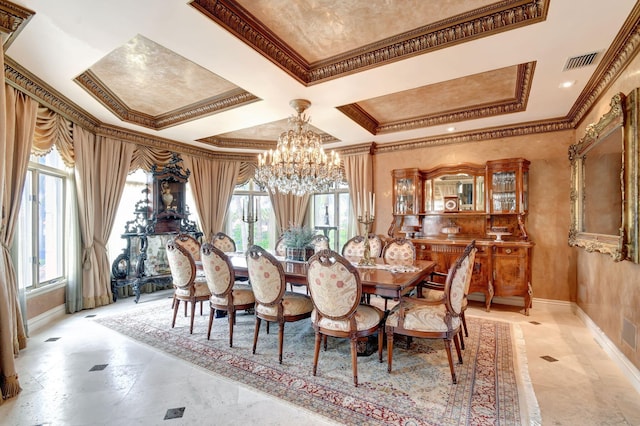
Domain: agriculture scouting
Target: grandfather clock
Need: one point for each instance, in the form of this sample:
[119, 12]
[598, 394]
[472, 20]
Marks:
[169, 195]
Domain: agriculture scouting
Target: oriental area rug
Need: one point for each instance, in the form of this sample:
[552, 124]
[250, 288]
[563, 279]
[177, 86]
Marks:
[493, 382]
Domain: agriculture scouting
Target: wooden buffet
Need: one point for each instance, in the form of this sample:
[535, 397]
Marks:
[443, 209]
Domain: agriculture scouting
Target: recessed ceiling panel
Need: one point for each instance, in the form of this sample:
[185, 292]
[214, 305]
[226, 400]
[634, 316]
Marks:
[487, 94]
[148, 84]
[318, 40]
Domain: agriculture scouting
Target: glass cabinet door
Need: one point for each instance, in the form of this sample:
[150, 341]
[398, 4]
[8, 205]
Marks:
[508, 185]
[407, 191]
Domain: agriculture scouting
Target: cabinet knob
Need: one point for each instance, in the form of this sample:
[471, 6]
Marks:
[508, 251]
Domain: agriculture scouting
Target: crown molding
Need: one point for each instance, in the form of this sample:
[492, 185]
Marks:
[483, 22]
[213, 105]
[367, 148]
[475, 136]
[13, 19]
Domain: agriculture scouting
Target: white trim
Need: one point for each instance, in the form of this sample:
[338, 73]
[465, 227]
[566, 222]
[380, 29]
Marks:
[628, 369]
[46, 318]
[542, 304]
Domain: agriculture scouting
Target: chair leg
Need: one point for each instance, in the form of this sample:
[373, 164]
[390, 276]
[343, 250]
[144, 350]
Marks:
[409, 340]
[212, 313]
[380, 343]
[389, 350]
[325, 342]
[316, 352]
[455, 341]
[354, 360]
[232, 317]
[185, 309]
[255, 333]
[176, 304]
[201, 302]
[267, 327]
[193, 314]
[464, 325]
[280, 341]
[447, 346]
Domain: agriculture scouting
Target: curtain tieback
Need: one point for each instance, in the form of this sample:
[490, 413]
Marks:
[86, 254]
[4, 246]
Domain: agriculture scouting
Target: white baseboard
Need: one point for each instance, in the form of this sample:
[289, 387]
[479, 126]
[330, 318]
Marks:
[545, 304]
[628, 369]
[46, 318]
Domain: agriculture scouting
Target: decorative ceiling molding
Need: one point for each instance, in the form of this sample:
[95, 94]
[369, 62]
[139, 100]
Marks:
[367, 148]
[22, 80]
[231, 99]
[260, 144]
[13, 19]
[483, 22]
[523, 82]
[524, 129]
[621, 52]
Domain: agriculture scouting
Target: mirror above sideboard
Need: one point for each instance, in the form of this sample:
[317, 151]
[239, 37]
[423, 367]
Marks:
[604, 176]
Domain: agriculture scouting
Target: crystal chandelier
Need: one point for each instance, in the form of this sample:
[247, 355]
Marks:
[299, 164]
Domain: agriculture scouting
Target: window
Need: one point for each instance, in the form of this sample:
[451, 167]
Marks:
[248, 198]
[41, 224]
[332, 209]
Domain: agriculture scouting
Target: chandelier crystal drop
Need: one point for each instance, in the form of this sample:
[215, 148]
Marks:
[299, 164]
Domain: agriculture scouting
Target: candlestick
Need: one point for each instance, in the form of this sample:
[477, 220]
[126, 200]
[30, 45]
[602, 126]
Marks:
[366, 220]
[249, 218]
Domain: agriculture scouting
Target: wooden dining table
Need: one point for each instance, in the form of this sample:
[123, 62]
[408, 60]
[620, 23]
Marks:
[382, 279]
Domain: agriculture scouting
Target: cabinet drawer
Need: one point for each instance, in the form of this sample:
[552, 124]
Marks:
[510, 251]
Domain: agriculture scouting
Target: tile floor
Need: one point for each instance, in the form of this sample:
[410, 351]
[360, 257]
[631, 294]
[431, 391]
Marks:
[91, 375]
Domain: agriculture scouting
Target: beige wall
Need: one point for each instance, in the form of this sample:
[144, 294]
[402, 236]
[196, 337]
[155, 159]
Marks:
[553, 261]
[608, 291]
[43, 302]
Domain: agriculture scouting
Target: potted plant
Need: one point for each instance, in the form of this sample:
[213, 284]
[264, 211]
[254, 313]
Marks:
[298, 241]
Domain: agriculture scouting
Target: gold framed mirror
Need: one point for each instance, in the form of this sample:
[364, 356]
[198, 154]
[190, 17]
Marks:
[598, 184]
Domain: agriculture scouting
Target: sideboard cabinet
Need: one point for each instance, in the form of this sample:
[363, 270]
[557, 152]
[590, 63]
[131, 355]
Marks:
[444, 208]
[159, 216]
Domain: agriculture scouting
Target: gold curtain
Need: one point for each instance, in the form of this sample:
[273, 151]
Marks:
[18, 119]
[212, 182]
[289, 209]
[247, 171]
[102, 165]
[358, 170]
[52, 128]
[145, 157]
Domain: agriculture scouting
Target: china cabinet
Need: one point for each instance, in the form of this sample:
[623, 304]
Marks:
[464, 202]
[157, 217]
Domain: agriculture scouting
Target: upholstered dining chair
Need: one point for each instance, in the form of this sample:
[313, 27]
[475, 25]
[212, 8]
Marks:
[433, 290]
[355, 246]
[416, 317]
[226, 295]
[273, 302]
[320, 242]
[223, 242]
[281, 248]
[188, 287]
[190, 243]
[336, 292]
[399, 251]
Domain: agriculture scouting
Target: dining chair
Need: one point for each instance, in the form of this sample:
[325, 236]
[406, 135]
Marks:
[416, 317]
[320, 242]
[273, 302]
[223, 242]
[281, 248]
[226, 295]
[433, 290]
[336, 291]
[398, 251]
[355, 246]
[188, 287]
[190, 243]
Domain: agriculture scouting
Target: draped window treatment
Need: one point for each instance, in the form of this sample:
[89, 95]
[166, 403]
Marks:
[102, 165]
[289, 209]
[358, 170]
[145, 157]
[17, 119]
[53, 129]
[212, 182]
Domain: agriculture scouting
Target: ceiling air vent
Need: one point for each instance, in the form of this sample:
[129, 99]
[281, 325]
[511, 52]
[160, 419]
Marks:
[580, 61]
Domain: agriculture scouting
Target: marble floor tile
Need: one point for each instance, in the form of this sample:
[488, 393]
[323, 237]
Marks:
[138, 385]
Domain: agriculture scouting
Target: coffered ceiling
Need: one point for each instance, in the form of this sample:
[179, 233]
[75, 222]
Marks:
[219, 75]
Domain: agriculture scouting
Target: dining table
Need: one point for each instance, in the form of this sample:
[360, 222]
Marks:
[382, 279]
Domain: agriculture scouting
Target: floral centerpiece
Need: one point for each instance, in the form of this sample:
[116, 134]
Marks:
[298, 241]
